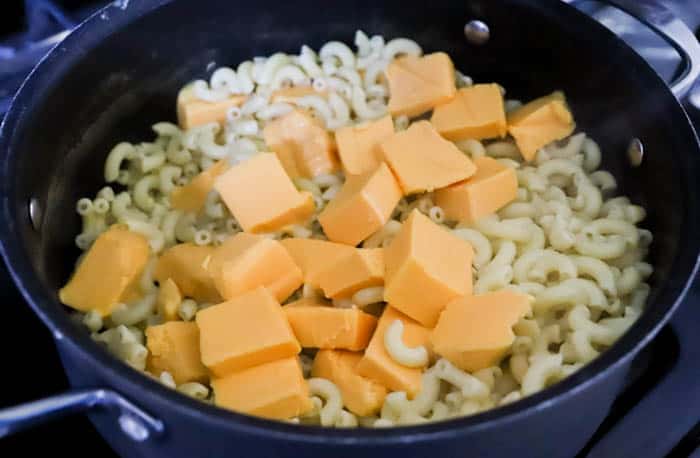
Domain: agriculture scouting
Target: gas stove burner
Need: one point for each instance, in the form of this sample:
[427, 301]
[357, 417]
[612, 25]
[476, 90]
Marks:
[47, 23]
[658, 412]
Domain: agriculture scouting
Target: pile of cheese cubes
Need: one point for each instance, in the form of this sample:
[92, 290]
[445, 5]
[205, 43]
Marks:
[247, 344]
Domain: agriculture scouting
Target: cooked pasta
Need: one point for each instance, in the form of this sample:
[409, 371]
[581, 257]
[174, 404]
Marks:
[399, 352]
[564, 240]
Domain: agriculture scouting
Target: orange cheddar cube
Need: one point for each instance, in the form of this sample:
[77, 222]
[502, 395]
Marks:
[331, 327]
[186, 264]
[273, 390]
[378, 365]
[314, 256]
[303, 146]
[363, 205]
[169, 299]
[423, 161]
[475, 112]
[539, 123]
[246, 331]
[358, 146]
[192, 111]
[426, 267]
[417, 84]
[246, 261]
[363, 268]
[174, 347]
[291, 94]
[492, 187]
[261, 196]
[361, 395]
[191, 197]
[109, 272]
[474, 332]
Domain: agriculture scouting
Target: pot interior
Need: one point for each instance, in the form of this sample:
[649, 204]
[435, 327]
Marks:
[110, 83]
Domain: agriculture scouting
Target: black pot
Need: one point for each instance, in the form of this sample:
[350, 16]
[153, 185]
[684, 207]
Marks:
[119, 72]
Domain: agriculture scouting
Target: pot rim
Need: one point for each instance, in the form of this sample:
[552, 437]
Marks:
[45, 304]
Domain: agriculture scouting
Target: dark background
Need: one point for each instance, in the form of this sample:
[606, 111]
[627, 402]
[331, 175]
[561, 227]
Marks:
[30, 365]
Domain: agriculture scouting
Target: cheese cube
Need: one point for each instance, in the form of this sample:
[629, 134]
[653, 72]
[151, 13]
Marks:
[192, 111]
[244, 332]
[476, 112]
[261, 196]
[109, 272]
[426, 267]
[273, 390]
[186, 264]
[492, 187]
[193, 195]
[314, 256]
[246, 261]
[417, 84]
[361, 269]
[423, 161]
[303, 146]
[330, 327]
[363, 205]
[174, 347]
[378, 365]
[358, 145]
[291, 94]
[539, 123]
[361, 395]
[474, 332]
[169, 299]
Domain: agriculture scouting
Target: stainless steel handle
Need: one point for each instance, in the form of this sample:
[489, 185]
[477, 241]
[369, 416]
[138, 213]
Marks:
[674, 31]
[134, 422]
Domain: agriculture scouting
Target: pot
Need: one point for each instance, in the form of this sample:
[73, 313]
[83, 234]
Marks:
[119, 72]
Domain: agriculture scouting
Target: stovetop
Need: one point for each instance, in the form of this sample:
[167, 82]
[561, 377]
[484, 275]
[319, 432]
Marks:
[658, 414]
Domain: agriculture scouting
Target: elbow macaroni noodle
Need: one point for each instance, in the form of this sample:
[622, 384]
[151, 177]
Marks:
[399, 352]
[564, 240]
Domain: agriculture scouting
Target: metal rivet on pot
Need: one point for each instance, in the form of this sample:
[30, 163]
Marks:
[477, 32]
[35, 213]
[635, 152]
[133, 428]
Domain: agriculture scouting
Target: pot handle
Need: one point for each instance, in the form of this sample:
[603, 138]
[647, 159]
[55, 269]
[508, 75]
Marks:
[134, 422]
[660, 19]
